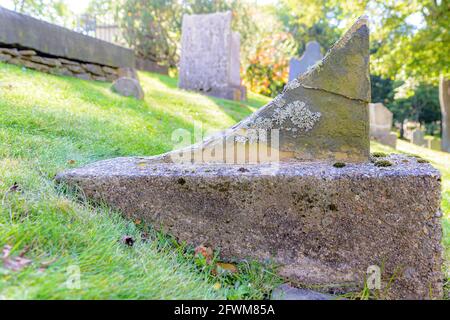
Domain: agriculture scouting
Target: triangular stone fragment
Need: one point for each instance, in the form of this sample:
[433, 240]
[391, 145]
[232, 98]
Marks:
[322, 115]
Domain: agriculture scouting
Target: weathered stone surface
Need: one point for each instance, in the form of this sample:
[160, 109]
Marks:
[35, 66]
[70, 62]
[287, 292]
[109, 70]
[349, 61]
[84, 76]
[444, 99]
[311, 56]
[11, 52]
[210, 57]
[19, 29]
[323, 225]
[27, 53]
[94, 69]
[380, 124]
[75, 68]
[128, 87]
[61, 71]
[5, 57]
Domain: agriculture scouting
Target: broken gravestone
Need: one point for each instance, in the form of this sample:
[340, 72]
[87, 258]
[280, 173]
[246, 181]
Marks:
[293, 183]
[308, 59]
[210, 56]
[128, 87]
[381, 124]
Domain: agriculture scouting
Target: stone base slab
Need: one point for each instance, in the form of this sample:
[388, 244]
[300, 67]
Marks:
[324, 226]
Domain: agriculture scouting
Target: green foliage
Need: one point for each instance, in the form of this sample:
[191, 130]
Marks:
[310, 20]
[50, 10]
[268, 64]
[152, 28]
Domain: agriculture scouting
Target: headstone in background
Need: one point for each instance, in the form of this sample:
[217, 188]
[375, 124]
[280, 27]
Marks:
[309, 58]
[380, 124]
[444, 99]
[418, 137]
[408, 128]
[433, 143]
[210, 59]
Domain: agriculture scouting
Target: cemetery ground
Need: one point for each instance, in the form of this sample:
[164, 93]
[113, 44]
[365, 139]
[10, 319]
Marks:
[50, 123]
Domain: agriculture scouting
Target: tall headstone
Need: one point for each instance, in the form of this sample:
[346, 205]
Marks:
[380, 124]
[210, 56]
[309, 58]
[444, 99]
[322, 211]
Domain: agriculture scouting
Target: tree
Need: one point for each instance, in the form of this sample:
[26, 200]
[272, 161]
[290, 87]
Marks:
[309, 20]
[152, 28]
[55, 11]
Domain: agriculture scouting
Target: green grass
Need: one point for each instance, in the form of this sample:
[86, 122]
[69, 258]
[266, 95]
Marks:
[50, 123]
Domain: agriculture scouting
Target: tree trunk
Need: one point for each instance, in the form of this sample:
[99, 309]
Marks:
[444, 99]
[402, 130]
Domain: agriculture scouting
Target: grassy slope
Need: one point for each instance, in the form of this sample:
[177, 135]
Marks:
[50, 123]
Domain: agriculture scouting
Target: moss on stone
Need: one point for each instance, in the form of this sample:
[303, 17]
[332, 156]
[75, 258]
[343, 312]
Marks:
[379, 154]
[339, 164]
[383, 163]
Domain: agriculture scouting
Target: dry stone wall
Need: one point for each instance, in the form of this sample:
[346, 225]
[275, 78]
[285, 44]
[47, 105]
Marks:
[59, 66]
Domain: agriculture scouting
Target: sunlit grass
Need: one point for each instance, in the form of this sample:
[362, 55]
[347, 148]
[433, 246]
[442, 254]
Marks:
[48, 124]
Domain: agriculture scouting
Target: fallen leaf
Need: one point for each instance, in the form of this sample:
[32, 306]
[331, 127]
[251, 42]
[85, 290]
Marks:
[15, 187]
[205, 252]
[217, 286]
[128, 240]
[144, 236]
[226, 268]
[71, 161]
[137, 221]
[14, 263]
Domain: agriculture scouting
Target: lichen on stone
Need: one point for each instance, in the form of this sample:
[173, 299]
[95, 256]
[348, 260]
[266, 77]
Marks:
[292, 85]
[299, 114]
